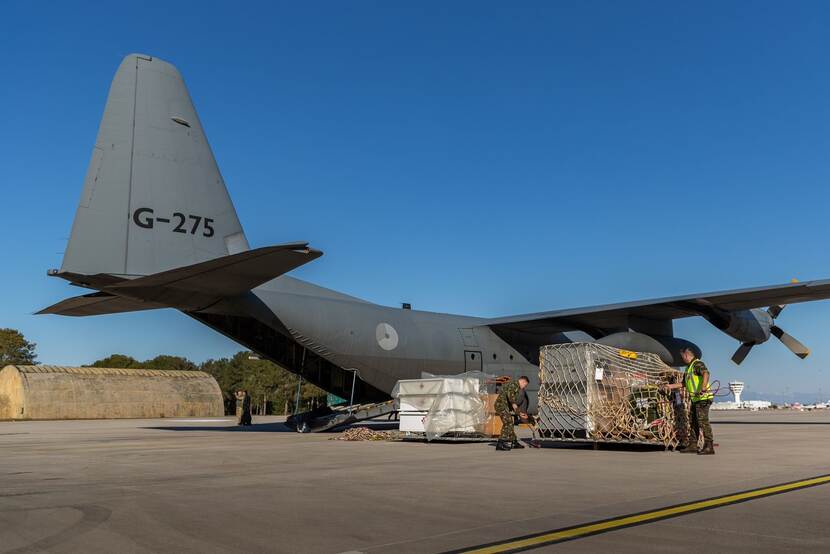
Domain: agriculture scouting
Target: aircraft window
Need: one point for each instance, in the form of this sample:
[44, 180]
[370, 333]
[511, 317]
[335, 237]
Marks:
[494, 355]
[472, 356]
[511, 356]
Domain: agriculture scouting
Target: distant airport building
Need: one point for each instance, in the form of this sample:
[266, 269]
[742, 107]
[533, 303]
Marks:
[756, 404]
[737, 387]
[53, 392]
[743, 405]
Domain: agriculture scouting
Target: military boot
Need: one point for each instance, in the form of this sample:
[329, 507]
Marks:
[708, 449]
[516, 444]
[687, 449]
[502, 445]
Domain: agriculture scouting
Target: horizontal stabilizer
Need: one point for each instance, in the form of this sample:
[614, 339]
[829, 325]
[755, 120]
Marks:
[197, 286]
[98, 303]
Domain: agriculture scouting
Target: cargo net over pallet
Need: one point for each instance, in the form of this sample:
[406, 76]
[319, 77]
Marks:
[598, 393]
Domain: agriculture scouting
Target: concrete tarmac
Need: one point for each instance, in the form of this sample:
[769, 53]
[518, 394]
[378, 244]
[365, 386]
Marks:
[208, 486]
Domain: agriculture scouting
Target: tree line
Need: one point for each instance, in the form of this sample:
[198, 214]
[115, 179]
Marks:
[273, 390]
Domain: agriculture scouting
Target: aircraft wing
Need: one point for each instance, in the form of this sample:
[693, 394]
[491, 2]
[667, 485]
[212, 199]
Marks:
[614, 316]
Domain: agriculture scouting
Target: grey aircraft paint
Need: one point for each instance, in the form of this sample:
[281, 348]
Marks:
[155, 227]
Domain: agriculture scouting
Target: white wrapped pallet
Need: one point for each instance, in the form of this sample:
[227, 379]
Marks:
[439, 405]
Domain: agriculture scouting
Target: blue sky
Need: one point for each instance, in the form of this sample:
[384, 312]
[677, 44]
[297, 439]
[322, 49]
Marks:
[467, 157]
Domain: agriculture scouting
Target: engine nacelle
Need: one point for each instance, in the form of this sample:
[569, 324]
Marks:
[749, 326]
[668, 348]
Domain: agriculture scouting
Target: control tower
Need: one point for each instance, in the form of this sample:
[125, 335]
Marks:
[737, 387]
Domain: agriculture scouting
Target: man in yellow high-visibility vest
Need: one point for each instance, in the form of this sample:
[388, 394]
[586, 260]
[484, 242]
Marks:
[696, 382]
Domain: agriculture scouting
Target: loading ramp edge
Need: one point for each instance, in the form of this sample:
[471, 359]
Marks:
[324, 419]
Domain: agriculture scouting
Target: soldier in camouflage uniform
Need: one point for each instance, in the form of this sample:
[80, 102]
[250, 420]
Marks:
[505, 405]
[240, 400]
[681, 420]
[696, 382]
[246, 408]
[701, 402]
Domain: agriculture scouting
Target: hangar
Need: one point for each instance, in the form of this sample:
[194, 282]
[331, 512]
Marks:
[55, 392]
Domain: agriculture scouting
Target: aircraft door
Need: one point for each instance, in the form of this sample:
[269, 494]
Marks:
[472, 360]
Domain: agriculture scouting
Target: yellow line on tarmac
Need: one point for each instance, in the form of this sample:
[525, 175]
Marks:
[570, 533]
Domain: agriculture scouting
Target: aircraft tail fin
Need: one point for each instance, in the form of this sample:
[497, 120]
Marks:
[153, 197]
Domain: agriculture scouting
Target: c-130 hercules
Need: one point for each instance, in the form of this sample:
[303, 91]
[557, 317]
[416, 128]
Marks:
[155, 228]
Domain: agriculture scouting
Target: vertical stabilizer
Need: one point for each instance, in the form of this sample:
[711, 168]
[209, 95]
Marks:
[153, 197]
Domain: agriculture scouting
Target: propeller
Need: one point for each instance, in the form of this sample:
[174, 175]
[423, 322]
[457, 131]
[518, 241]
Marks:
[790, 342]
[741, 352]
[795, 346]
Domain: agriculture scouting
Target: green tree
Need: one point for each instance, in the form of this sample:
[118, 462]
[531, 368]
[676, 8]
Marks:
[272, 388]
[121, 361]
[169, 363]
[162, 361]
[15, 349]
[228, 377]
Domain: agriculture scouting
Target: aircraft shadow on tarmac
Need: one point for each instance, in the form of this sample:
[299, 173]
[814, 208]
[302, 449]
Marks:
[619, 447]
[278, 427]
[275, 427]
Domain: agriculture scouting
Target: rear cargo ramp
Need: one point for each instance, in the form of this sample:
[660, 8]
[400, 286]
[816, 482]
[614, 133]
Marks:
[328, 418]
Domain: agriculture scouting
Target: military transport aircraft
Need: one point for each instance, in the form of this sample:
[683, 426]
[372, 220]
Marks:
[155, 228]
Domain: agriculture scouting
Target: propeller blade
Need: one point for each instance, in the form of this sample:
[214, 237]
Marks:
[774, 311]
[790, 342]
[741, 352]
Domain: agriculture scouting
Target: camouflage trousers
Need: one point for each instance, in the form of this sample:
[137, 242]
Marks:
[508, 434]
[699, 415]
[681, 423]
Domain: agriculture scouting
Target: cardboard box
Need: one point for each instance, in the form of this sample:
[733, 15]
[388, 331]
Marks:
[492, 426]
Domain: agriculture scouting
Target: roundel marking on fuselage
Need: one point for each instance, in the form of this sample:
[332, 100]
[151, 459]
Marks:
[386, 336]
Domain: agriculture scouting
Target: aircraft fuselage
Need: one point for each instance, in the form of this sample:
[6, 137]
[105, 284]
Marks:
[386, 344]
